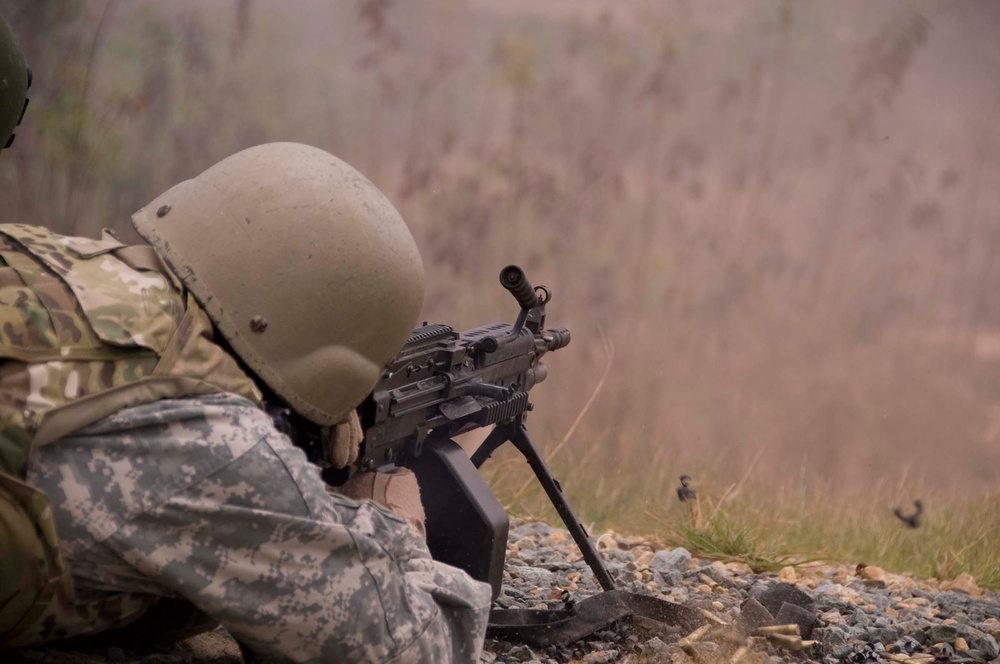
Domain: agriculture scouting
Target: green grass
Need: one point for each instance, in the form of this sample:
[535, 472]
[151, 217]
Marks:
[770, 524]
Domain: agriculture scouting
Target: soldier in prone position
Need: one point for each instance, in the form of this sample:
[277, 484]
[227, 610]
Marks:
[143, 485]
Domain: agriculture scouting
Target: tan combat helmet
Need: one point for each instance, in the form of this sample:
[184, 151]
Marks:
[304, 266]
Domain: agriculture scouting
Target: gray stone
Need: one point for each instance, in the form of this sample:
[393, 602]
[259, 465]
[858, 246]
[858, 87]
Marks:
[506, 601]
[673, 560]
[832, 636]
[533, 576]
[779, 593]
[652, 647]
[841, 652]
[546, 552]
[942, 633]
[527, 555]
[536, 528]
[987, 645]
[718, 576]
[908, 645]
[857, 633]
[669, 579]
[804, 618]
[620, 570]
[859, 618]
[753, 615]
[883, 635]
[618, 556]
[970, 633]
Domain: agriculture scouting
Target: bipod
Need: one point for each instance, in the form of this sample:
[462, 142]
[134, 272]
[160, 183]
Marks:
[575, 620]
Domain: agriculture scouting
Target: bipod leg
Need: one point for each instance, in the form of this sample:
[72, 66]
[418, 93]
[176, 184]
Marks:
[518, 435]
[496, 438]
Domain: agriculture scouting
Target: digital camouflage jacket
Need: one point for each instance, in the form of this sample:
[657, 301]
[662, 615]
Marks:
[87, 327]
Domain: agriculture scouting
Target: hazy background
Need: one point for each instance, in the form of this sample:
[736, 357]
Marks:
[781, 218]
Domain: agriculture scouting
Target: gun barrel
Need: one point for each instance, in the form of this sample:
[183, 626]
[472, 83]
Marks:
[556, 338]
[513, 279]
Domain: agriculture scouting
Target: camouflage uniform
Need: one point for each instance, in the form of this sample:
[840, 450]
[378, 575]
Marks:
[202, 498]
[150, 456]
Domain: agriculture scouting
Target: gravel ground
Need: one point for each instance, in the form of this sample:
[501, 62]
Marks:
[846, 613]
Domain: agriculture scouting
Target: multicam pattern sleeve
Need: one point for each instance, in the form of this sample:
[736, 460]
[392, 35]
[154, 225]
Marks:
[202, 498]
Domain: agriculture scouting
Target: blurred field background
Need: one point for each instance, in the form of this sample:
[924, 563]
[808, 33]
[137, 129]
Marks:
[772, 227]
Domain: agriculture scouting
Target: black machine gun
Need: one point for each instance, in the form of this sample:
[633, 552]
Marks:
[444, 383]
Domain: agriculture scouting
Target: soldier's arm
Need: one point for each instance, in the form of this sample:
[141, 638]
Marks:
[227, 513]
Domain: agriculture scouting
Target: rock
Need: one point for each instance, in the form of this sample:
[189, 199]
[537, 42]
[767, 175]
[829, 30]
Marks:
[527, 556]
[674, 560]
[520, 653]
[964, 583]
[669, 579]
[871, 573]
[525, 543]
[739, 569]
[832, 618]
[788, 575]
[942, 633]
[533, 576]
[618, 556]
[988, 647]
[753, 615]
[883, 635]
[601, 657]
[652, 647]
[556, 537]
[907, 645]
[793, 614]
[831, 636]
[779, 593]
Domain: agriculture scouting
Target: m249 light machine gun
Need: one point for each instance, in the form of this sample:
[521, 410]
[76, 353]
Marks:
[445, 383]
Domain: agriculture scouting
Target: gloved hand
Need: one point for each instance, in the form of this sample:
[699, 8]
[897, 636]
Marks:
[345, 442]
